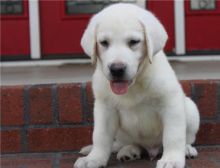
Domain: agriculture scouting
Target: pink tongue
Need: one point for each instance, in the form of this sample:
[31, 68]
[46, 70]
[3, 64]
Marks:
[119, 87]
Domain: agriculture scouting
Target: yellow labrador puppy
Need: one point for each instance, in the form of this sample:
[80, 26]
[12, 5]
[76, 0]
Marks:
[139, 102]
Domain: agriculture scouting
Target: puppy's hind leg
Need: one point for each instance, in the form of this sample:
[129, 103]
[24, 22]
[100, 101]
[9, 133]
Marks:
[193, 120]
[153, 152]
[86, 150]
[129, 152]
[115, 148]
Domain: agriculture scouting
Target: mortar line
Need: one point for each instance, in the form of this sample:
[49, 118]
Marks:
[84, 102]
[54, 104]
[193, 92]
[56, 160]
[23, 133]
[77, 125]
[218, 100]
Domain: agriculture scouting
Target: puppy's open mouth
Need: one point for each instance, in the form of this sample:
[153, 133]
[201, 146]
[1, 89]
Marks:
[119, 87]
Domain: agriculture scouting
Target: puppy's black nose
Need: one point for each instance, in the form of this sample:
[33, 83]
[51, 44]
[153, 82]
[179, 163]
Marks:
[117, 70]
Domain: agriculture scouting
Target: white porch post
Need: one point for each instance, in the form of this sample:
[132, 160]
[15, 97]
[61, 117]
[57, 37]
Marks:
[34, 25]
[179, 15]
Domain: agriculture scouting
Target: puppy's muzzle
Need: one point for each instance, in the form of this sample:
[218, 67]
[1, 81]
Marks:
[117, 70]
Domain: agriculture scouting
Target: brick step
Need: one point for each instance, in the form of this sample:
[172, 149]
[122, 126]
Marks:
[209, 157]
[58, 117]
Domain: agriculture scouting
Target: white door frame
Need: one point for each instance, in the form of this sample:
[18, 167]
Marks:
[142, 3]
[179, 20]
[34, 25]
[179, 25]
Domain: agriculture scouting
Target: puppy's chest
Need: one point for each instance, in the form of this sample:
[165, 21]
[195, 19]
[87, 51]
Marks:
[141, 122]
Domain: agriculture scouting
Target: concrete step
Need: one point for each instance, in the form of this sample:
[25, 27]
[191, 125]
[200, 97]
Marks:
[58, 117]
[63, 71]
[209, 157]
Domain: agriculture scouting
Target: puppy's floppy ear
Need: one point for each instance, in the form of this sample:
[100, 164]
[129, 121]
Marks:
[155, 34]
[88, 40]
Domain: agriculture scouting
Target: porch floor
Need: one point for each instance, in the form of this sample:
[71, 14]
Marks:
[209, 157]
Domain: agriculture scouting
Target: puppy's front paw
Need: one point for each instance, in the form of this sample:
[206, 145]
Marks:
[86, 162]
[170, 163]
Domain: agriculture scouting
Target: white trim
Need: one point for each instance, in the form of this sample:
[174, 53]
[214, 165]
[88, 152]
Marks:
[142, 3]
[179, 16]
[34, 25]
[88, 61]
[44, 62]
[189, 58]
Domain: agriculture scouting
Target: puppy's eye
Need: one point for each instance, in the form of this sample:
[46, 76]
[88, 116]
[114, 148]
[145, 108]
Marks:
[104, 43]
[133, 42]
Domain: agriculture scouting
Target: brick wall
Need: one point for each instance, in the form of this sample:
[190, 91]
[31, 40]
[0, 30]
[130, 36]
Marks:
[58, 117]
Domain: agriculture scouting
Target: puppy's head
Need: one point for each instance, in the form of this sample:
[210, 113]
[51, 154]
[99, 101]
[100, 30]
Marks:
[119, 37]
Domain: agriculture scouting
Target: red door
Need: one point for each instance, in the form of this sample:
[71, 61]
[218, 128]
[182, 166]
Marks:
[63, 23]
[61, 29]
[14, 30]
[164, 10]
[202, 26]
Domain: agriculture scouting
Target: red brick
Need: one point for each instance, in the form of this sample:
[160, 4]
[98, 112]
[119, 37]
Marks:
[206, 98]
[198, 163]
[213, 152]
[209, 134]
[12, 105]
[90, 101]
[67, 160]
[206, 159]
[29, 162]
[186, 85]
[40, 105]
[69, 103]
[10, 141]
[58, 139]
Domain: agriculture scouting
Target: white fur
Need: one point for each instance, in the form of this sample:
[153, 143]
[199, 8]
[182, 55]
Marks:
[129, 152]
[154, 112]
